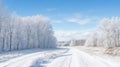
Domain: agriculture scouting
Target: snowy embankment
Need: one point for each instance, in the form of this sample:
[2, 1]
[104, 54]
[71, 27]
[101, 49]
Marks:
[71, 57]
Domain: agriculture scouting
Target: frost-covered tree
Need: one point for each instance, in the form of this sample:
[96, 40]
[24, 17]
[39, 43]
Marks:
[108, 33]
[92, 40]
[18, 33]
[110, 28]
[4, 27]
[73, 42]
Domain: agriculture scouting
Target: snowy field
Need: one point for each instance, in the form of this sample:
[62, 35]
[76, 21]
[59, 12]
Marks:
[64, 57]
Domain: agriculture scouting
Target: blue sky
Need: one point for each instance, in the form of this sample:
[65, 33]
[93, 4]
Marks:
[67, 15]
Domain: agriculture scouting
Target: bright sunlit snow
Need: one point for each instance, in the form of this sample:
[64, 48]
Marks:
[69, 57]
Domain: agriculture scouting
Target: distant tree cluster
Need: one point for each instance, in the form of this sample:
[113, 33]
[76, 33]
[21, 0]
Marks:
[17, 33]
[79, 42]
[108, 34]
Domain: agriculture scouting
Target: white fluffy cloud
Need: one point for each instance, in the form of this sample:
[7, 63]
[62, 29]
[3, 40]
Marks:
[77, 18]
[82, 20]
[68, 35]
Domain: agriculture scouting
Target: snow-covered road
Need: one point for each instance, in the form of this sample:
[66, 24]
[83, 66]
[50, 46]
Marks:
[29, 59]
[76, 58]
[72, 58]
[23, 61]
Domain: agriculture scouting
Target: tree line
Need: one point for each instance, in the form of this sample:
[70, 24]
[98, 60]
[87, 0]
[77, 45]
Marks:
[17, 33]
[107, 35]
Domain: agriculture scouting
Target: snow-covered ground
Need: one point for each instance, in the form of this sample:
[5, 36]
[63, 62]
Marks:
[27, 58]
[77, 58]
[69, 57]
